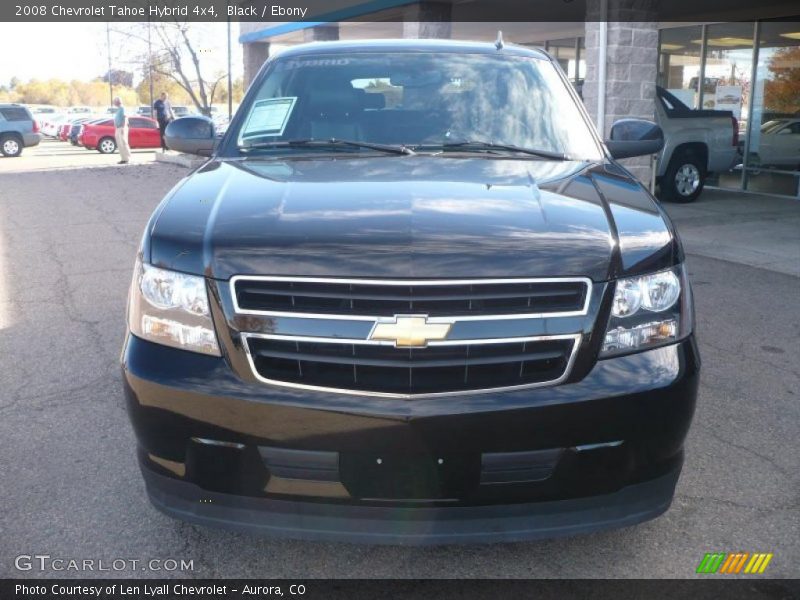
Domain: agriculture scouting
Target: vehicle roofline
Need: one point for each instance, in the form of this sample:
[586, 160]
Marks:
[411, 45]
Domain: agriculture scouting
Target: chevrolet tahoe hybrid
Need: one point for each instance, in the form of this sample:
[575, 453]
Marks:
[411, 297]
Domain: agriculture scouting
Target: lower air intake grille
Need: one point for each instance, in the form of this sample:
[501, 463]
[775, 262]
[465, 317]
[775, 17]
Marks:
[381, 369]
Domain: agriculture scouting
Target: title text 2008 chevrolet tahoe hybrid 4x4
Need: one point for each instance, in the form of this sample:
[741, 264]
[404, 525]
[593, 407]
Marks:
[411, 298]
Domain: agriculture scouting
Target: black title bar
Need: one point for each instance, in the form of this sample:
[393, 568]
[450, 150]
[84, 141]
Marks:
[317, 11]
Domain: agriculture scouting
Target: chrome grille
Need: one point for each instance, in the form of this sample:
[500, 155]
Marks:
[333, 361]
[381, 298]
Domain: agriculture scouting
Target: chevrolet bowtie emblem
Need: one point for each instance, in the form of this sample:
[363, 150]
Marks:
[410, 331]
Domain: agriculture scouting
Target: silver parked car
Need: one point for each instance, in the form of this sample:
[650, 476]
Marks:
[778, 145]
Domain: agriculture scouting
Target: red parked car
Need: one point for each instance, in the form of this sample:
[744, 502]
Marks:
[63, 131]
[143, 133]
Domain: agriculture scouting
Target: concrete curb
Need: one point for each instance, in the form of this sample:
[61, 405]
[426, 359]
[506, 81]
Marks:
[184, 160]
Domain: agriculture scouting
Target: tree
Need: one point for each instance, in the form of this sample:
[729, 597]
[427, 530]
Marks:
[782, 90]
[237, 91]
[118, 77]
[70, 93]
[161, 83]
[175, 56]
[7, 95]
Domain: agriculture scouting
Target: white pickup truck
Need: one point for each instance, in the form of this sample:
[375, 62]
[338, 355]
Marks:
[696, 143]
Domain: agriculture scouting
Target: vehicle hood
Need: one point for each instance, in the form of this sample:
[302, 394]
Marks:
[409, 217]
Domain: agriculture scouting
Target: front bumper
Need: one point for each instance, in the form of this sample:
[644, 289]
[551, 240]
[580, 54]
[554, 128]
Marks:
[417, 526]
[602, 452]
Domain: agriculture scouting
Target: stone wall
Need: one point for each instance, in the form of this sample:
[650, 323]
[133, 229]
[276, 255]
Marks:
[427, 20]
[631, 68]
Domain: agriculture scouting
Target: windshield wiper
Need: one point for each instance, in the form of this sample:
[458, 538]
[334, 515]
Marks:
[311, 143]
[482, 146]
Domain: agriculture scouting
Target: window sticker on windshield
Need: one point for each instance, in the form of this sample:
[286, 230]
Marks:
[269, 117]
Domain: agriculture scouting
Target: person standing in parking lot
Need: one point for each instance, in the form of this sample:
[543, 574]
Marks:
[164, 115]
[121, 132]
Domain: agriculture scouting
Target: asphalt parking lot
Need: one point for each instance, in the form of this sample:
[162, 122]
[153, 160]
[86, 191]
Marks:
[52, 154]
[69, 482]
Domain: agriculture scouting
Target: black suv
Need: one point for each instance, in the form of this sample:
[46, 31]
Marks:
[411, 298]
[18, 129]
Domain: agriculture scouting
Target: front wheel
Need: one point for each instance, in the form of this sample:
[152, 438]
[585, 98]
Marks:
[10, 145]
[684, 179]
[106, 146]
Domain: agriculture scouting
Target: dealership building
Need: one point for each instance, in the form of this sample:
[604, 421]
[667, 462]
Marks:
[748, 63]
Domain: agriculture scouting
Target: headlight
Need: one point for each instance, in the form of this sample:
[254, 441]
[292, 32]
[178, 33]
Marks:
[655, 293]
[646, 312]
[627, 298]
[660, 291]
[171, 308]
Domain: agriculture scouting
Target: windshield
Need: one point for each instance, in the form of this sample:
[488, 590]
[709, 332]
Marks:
[416, 100]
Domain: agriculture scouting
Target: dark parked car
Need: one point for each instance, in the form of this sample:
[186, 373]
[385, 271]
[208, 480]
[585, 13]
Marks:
[411, 298]
[18, 129]
[75, 128]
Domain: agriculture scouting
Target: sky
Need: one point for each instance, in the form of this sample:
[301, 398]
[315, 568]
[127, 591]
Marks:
[79, 51]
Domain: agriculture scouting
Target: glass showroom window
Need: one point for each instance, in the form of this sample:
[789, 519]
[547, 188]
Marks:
[570, 52]
[752, 70]
[727, 85]
[564, 52]
[679, 63]
[773, 149]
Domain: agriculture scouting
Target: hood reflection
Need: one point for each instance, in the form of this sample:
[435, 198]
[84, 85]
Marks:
[409, 216]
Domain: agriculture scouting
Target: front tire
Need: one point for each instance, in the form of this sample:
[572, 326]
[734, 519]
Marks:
[684, 178]
[10, 145]
[107, 145]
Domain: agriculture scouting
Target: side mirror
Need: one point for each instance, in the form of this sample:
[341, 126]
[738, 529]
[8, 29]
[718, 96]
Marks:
[192, 135]
[634, 137]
